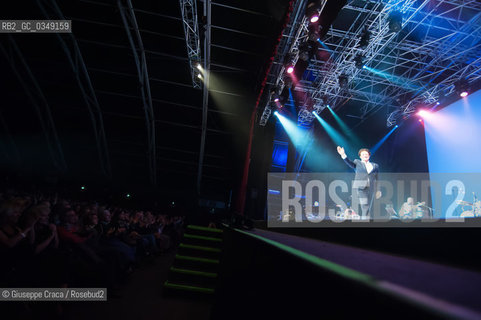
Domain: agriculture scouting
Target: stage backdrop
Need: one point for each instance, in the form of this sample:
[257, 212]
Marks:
[453, 145]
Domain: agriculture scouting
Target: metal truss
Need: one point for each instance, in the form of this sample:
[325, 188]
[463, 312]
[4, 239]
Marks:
[35, 94]
[188, 9]
[288, 44]
[440, 44]
[130, 22]
[82, 76]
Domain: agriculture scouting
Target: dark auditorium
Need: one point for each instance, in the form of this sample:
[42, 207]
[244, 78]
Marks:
[240, 159]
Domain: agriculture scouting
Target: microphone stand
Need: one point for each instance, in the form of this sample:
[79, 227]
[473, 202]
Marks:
[430, 211]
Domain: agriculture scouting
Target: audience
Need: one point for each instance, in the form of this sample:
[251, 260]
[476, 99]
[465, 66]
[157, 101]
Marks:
[53, 242]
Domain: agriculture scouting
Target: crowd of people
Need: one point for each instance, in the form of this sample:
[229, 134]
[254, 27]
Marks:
[47, 241]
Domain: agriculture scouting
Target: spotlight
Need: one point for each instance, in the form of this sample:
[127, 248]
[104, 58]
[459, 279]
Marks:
[274, 96]
[199, 67]
[366, 36]
[199, 76]
[309, 104]
[324, 99]
[304, 51]
[312, 11]
[289, 63]
[82, 188]
[438, 103]
[288, 82]
[343, 81]
[462, 88]
[359, 61]
[276, 113]
[128, 195]
[423, 113]
[313, 32]
[395, 20]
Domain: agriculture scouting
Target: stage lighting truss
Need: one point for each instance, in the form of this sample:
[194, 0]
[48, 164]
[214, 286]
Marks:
[427, 65]
[294, 35]
[188, 9]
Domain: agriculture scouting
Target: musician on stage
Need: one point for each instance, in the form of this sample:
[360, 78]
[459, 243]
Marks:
[365, 180]
[407, 209]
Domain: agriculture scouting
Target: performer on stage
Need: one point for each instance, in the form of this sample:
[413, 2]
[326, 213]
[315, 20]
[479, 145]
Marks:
[409, 210]
[365, 180]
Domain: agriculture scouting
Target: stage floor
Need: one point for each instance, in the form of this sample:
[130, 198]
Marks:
[437, 285]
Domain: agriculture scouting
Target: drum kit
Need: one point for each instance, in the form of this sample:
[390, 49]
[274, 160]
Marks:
[469, 209]
[346, 214]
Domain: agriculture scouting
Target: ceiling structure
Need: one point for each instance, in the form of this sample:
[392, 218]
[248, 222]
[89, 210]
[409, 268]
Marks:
[435, 49]
[119, 101]
[114, 101]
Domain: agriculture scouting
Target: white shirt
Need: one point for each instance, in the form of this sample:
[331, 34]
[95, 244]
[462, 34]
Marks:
[368, 164]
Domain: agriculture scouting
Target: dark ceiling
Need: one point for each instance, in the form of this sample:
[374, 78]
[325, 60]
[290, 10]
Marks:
[244, 34]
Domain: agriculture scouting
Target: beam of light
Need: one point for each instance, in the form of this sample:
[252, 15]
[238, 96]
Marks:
[328, 50]
[383, 139]
[295, 133]
[400, 81]
[324, 45]
[200, 77]
[291, 97]
[335, 136]
[198, 66]
[345, 130]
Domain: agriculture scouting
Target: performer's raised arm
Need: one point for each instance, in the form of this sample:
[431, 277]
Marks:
[344, 157]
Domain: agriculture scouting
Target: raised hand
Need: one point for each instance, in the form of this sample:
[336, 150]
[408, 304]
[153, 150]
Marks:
[341, 151]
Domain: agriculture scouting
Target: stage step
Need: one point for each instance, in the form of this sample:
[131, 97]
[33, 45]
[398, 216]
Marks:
[194, 272]
[184, 287]
[202, 248]
[196, 259]
[197, 237]
[196, 264]
[200, 228]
